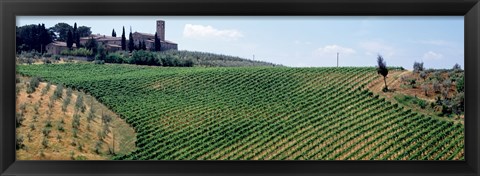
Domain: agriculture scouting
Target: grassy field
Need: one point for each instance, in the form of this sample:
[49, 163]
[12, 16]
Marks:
[259, 113]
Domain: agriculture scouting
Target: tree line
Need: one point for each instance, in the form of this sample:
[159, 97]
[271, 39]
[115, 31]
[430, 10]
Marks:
[35, 37]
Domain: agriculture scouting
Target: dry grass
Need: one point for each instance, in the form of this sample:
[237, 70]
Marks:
[60, 143]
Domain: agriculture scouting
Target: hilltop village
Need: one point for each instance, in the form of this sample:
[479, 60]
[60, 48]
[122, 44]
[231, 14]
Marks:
[113, 43]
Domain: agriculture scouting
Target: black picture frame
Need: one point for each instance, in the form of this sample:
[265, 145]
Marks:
[9, 9]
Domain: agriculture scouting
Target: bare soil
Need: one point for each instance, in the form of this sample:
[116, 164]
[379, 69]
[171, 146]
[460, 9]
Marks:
[61, 143]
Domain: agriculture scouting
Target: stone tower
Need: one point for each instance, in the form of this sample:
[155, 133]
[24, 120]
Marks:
[161, 30]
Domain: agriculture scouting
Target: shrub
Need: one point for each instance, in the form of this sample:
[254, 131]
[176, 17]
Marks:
[418, 67]
[46, 131]
[457, 67]
[425, 88]
[114, 58]
[60, 127]
[80, 157]
[76, 121]
[79, 105]
[98, 146]
[437, 87]
[33, 84]
[99, 62]
[56, 57]
[47, 61]
[20, 118]
[423, 75]
[19, 142]
[460, 85]
[58, 92]
[45, 142]
[47, 55]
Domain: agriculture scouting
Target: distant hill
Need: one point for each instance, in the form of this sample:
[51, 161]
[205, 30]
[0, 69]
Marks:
[214, 60]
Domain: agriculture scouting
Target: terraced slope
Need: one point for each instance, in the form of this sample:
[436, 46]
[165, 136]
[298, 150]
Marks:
[259, 113]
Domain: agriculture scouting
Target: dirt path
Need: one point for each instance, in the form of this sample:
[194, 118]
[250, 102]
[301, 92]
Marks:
[393, 81]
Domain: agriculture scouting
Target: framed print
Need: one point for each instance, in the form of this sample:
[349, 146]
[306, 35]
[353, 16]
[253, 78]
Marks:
[234, 88]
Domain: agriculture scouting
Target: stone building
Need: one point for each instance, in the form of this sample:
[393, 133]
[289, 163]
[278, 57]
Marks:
[56, 47]
[113, 44]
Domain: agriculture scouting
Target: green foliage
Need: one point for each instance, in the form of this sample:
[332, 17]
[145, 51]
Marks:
[124, 40]
[157, 45]
[106, 119]
[101, 53]
[461, 84]
[33, 84]
[45, 142]
[282, 113]
[33, 38]
[62, 30]
[47, 55]
[457, 67]
[92, 45]
[99, 62]
[79, 104]
[98, 147]
[19, 119]
[19, 142]
[84, 52]
[56, 57]
[58, 91]
[76, 121]
[69, 39]
[115, 58]
[60, 127]
[410, 100]
[382, 70]
[131, 45]
[80, 157]
[418, 67]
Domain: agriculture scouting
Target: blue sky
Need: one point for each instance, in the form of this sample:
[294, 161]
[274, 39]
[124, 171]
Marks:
[313, 41]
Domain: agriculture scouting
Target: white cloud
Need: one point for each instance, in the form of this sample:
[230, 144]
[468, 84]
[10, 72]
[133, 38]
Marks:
[378, 47]
[432, 56]
[332, 50]
[209, 32]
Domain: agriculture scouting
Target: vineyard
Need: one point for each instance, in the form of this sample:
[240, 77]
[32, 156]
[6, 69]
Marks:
[259, 113]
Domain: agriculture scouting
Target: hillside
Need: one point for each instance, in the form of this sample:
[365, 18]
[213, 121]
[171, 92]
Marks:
[259, 113]
[165, 58]
[55, 127]
[214, 60]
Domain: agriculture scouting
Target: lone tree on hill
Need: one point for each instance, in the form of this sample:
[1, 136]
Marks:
[418, 67]
[383, 70]
[457, 67]
[124, 40]
[114, 34]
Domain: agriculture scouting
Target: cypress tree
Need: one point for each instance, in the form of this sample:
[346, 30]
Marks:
[124, 42]
[157, 42]
[131, 45]
[69, 39]
[114, 34]
[76, 35]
